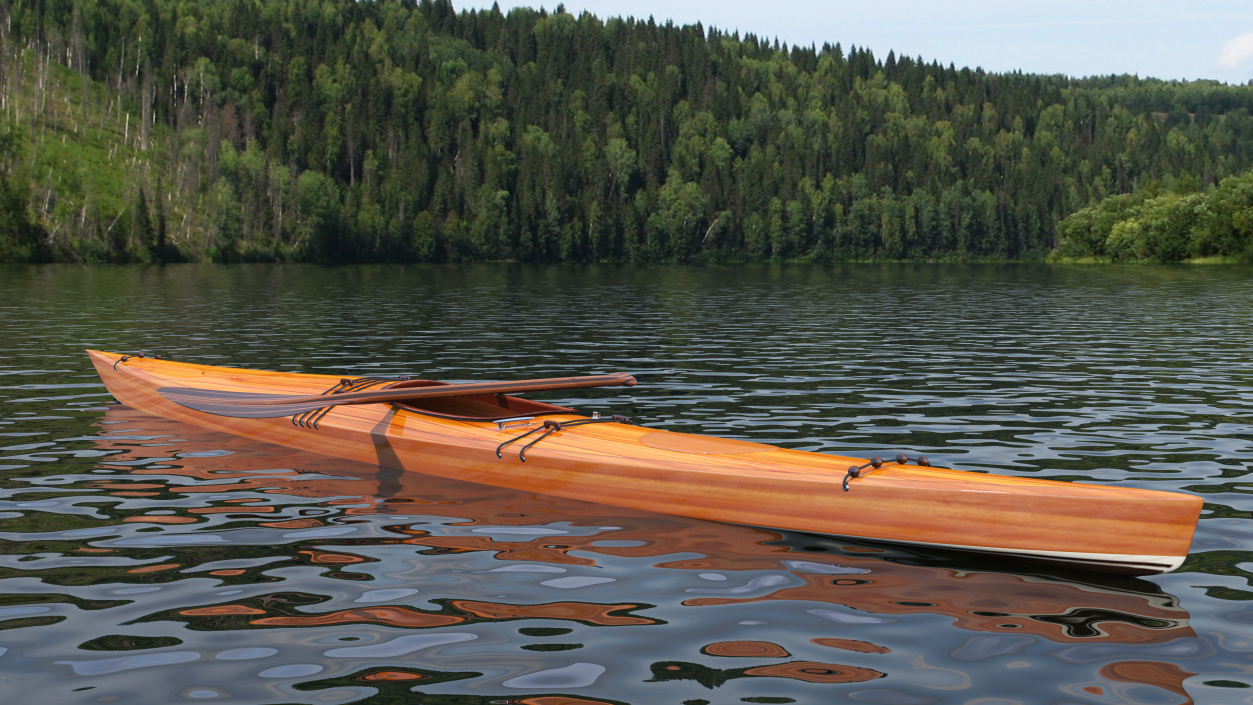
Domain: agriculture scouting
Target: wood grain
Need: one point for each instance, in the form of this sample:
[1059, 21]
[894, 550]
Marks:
[1116, 529]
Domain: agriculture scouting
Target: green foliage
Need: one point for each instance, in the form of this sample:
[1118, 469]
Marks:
[1229, 225]
[1171, 227]
[319, 217]
[21, 237]
[399, 130]
[1084, 234]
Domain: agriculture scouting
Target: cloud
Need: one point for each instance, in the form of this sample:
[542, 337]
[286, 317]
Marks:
[1236, 53]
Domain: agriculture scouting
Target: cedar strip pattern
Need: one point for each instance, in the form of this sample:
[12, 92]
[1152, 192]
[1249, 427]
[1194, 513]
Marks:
[776, 488]
[723, 547]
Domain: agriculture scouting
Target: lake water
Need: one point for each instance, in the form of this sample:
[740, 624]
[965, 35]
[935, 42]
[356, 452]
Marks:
[147, 561]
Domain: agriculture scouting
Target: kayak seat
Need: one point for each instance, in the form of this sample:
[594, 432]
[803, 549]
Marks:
[474, 407]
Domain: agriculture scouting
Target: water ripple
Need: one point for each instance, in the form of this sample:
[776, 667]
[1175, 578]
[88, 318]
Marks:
[148, 561]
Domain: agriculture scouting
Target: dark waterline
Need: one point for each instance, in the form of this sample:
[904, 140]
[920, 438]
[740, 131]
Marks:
[149, 561]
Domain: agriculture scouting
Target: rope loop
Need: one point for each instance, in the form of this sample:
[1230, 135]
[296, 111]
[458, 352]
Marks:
[550, 427]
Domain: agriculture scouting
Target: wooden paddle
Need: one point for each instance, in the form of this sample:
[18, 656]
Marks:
[249, 405]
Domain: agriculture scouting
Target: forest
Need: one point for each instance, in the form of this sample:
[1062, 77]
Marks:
[1173, 226]
[403, 131]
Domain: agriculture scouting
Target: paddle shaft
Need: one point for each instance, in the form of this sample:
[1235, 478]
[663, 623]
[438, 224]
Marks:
[196, 398]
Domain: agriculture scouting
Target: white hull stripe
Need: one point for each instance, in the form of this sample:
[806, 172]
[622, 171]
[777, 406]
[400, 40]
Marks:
[1160, 564]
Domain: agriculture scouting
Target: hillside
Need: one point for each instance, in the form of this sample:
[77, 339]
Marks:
[70, 156]
[241, 130]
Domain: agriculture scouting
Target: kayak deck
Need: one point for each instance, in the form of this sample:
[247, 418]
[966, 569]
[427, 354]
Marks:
[1114, 529]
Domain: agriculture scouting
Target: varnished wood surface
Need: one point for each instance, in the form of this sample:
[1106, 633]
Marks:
[773, 487]
[1043, 606]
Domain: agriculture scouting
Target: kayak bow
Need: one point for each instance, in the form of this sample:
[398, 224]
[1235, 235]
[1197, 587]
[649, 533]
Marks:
[456, 431]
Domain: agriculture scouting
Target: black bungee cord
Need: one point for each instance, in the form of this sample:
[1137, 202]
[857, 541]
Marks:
[550, 427]
[876, 462]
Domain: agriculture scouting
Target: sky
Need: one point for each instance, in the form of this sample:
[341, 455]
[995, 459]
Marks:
[1202, 39]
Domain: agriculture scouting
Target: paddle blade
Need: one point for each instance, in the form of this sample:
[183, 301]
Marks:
[242, 405]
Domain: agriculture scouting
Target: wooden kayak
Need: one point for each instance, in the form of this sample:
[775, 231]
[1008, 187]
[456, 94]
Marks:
[1122, 530]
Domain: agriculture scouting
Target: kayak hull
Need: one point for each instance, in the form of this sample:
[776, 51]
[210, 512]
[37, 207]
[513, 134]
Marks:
[1108, 529]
